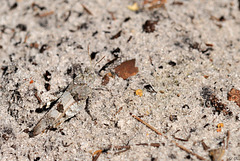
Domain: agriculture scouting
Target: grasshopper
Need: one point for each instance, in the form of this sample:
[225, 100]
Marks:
[67, 105]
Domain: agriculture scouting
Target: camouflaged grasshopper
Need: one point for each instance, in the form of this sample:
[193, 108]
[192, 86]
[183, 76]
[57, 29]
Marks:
[68, 105]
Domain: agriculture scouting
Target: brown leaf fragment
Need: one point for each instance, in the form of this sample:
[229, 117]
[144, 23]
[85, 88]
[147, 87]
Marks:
[34, 45]
[206, 76]
[234, 95]
[126, 69]
[149, 26]
[155, 145]
[105, 79]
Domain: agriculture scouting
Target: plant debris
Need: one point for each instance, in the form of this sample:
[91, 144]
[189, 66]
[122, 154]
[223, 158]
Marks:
[172, 141]
[121, 149]
[38, 98]
[234, 95]
[177, 3]
[156, 4]
[149, 26]
[96, 154]
[106, 79]
[86, 9]
[117, 35]
[133, 7]
[126, 69]
[212, 101]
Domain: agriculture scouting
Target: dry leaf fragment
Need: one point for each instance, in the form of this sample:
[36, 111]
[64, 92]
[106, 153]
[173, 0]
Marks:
[133, 7]
[106, 79]
[234, 95]
[126, 69]
[34, 45]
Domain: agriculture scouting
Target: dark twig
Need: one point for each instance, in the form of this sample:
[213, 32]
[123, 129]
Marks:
[172, 141]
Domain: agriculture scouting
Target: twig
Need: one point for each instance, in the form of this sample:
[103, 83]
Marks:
[172, 141]
[149, 126]
[205, 147]
[122, 148]
[228, 136]
[86, 9]
[45, 14]
[118, 111]
[38, 98]
[96, 154]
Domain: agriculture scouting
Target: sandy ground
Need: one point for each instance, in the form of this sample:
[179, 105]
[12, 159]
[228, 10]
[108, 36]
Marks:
[187, 58]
